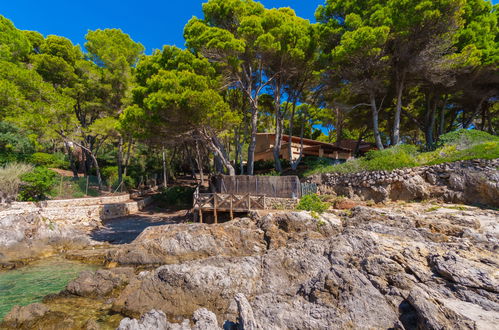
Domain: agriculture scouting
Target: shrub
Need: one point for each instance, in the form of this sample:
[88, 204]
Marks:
[129, 182]
[464, 138]
[389, 159]
[176, 196]
[37, 184]
[375, 160]
[109, 173]
[313, 203]
[10, 178]
[56, 160]
[272, 172]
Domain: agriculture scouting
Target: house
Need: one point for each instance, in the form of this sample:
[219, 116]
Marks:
[265, 145]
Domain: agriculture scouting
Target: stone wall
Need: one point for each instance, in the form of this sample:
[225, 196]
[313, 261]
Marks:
[79, 211]
[470, 181]
[277, 203]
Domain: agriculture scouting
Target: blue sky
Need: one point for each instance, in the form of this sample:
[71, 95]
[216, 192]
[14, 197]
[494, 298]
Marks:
[153, 23]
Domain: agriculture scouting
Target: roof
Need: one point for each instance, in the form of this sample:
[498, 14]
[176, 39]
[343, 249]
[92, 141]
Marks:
[351, 144]
[309, 142]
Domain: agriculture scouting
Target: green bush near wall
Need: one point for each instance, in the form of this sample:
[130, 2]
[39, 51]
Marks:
[37, 184]
[312, 203]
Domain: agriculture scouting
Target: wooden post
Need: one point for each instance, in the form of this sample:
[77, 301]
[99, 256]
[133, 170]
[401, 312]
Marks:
[231, 212]
[215, 207]
[249, 202]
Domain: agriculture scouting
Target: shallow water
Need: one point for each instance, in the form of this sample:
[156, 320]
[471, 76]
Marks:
[31, 283]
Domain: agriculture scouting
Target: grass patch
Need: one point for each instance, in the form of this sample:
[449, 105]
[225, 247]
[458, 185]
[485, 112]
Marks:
[457, 207]
[432, 209]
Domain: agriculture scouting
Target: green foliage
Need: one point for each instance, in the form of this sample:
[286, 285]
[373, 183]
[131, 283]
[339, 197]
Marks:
[486, 150]
[313, 203]
[109, 174]
[176, 196]
[55, 160]
[37, 184]
[13, 43]
[389, 159]
[179, 94]
[466, 137]
[14, 144]
[272, 172]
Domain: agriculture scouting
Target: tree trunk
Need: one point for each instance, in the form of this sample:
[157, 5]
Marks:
[199, 161]
[72, 162]
[429, 125]
[218, 150]
[164, 167]
[252, 143]
[339, 127]
[441, 124]
[127, 157]
[468, 122]
[398, 110]
[120, 159]
[375, 113]
[291, 123]
[359, 140]
[294, 164]
[278, 143]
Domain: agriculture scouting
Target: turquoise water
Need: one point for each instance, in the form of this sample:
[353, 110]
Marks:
[31, 283]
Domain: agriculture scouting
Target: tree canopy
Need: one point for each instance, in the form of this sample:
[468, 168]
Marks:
[383, 71]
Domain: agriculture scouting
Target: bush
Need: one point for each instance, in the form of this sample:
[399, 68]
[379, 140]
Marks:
[56, 160]
[36, 184]
[464, 138]
[176, 196]
[10, 178]
[389, 159]
[375, 160]
[313, 203]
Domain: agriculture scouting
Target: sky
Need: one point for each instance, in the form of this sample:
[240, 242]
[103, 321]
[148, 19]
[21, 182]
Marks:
[153, 23]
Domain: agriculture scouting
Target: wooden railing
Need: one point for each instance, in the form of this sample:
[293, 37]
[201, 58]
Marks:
[226, 203]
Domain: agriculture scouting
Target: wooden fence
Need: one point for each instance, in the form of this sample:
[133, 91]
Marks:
[226, 203]
[272, 186]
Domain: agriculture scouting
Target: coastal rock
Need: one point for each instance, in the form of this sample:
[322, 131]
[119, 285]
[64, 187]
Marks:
[99, 283]
[156, 319]
[401, 266]
[153, 319]
[26, 315]
[171, 244]
[364, 270]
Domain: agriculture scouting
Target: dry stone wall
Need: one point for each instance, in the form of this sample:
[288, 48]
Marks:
[470, 181]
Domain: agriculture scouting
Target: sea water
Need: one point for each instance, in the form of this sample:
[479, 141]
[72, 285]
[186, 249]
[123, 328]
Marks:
[29, 284]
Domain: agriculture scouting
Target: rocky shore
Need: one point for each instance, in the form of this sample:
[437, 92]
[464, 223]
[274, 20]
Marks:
[402, 266]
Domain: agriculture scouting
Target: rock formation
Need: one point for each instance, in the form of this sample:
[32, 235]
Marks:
[470, 181]
[402, 266]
